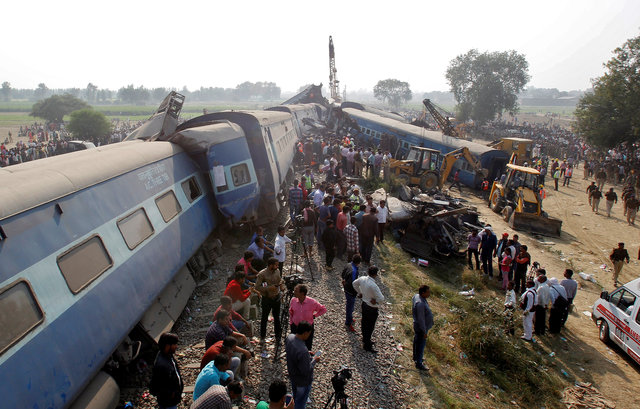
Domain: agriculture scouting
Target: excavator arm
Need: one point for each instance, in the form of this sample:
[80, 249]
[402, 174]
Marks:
[451, 157]
[444, 123]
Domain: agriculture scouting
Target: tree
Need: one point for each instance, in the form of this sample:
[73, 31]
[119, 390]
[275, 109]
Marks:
[610, 114]
[133, 95]
[486, 84]
[6, 90]
[394, 92]
[89, 125]
[92, 93]
[54, 108]
[41, 91]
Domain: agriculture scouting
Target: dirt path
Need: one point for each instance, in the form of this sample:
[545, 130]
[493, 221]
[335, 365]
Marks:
[586, 242]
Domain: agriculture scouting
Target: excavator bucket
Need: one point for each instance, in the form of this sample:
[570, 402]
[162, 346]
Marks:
[546, 226]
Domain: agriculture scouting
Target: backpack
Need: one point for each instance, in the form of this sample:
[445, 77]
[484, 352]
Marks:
[523, 303]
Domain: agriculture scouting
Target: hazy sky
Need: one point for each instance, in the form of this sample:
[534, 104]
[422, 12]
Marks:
[222, 43]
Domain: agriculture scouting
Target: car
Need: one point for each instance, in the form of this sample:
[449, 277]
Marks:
[618, 317]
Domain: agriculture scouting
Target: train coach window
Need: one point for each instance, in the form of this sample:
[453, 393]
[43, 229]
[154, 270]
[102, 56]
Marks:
[192, 189]
[84, 263]
[19, 313]
[135, 228]
[240, 174]
[168, 205]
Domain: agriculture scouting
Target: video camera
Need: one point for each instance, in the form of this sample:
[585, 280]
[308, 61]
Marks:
[339, 380]
[292, 280]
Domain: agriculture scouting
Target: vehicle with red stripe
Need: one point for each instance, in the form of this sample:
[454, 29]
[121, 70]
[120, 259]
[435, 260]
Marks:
[618, 317]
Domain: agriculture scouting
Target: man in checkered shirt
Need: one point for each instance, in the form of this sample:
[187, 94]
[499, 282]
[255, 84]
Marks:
[295, 200]
[353, 241]
[218, 397]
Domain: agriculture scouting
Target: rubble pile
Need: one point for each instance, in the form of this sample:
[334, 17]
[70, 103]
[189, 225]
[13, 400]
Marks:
[431, 225]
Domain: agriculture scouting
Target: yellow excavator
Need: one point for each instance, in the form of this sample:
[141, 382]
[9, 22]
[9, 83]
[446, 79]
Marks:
[429, 168]
[519, 199]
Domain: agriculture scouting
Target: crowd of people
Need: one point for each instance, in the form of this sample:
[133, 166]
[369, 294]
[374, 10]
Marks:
[518, 275]
[45, 140]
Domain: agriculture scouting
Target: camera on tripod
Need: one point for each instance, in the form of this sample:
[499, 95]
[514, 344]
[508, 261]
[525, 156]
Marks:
[292, 280]
[339, 380]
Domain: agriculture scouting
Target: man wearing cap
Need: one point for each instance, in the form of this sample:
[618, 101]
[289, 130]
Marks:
[618, 256]
[488, 245]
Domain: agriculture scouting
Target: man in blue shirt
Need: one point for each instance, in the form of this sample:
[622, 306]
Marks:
[422, 323]
[214, 373]
[488, 246]
[349, 275]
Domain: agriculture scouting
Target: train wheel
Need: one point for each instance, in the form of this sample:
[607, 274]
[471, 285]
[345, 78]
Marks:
[428, 181]
[495, 201]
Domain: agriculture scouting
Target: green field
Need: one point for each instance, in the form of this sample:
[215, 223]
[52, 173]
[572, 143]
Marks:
[16, 113]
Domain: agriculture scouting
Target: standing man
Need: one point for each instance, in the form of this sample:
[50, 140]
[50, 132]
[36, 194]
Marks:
[559, 305]
[166, 382]
[368, 231]
[280, 247]
[372, 297]
[612, 198]
[382, 212]
[456, 181]
[617, 257]
[527, 302]
[422, 323]
[309, 226]
[300, 364]
[595, 195]
[295, 200]
[349, 275]
[523, 260]
[488, 245]
[542, 301]
[352, 237]
[329, 240]
[303, 308]
[590, 189]
[269, 284]
[571, 287]
[472, 249]
[631, 205]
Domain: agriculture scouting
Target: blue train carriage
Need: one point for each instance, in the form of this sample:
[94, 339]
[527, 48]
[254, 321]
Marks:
[299, 112]
[375, 128]
[220, 148]
[92, 244]
[270, 137]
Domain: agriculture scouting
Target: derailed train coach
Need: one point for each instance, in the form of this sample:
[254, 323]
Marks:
[94, 244]
[399, 137]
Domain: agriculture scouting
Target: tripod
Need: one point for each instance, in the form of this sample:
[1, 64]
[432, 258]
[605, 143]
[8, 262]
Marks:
[294, 252]
[337, 398]
[284, 321]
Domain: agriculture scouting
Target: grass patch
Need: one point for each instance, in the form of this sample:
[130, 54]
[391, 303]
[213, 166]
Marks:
[467, 349]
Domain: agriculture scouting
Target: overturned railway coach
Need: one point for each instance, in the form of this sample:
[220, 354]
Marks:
[90, 240]
[375, 128]
[93, 244]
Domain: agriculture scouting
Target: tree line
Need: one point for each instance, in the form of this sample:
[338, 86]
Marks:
[140, 95]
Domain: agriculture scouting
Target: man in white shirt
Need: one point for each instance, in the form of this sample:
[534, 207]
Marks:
[542, 301]
[528, 299]
[372, 297]
[382, 213]
[280, 249]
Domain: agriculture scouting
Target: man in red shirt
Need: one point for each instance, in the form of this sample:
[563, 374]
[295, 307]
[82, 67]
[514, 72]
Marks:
[247, 261]
[228, 347]
[303, 308]
[240, 297]
[341, 222]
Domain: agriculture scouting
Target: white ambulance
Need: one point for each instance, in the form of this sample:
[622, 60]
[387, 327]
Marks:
[618, 317]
